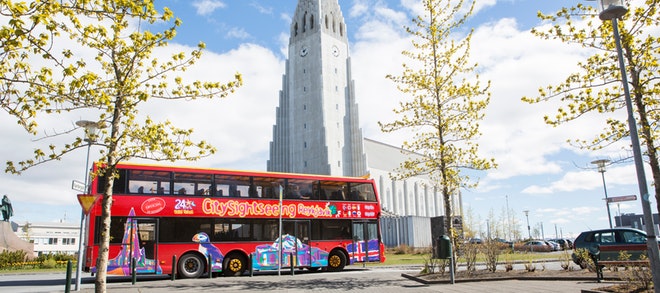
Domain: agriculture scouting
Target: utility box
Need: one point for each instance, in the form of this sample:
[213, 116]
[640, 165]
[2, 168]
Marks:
[444, 247]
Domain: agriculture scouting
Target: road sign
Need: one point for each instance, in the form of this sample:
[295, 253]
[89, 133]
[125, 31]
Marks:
[78, 186]
[87, 201]
[621, 198]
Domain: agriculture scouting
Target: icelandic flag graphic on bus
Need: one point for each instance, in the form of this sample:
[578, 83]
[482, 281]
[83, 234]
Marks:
[360, 250]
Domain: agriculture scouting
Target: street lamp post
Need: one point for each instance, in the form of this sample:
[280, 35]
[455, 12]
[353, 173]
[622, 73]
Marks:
[613, 9]
[90, 133]
[601, 168]
[529, 231]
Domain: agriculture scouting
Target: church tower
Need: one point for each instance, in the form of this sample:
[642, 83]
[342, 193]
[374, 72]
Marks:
[317, 129]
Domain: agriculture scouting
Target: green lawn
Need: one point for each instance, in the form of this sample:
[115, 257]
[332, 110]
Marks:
[413, 259]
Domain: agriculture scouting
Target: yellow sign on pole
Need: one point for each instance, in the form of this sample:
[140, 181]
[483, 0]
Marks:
[87, 201]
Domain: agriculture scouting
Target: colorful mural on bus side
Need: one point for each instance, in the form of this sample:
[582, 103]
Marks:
[263, 258]
[293, 251]
[121, 263]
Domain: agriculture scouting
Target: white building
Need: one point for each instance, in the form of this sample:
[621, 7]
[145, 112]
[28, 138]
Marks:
[317, 129]
[51, 237]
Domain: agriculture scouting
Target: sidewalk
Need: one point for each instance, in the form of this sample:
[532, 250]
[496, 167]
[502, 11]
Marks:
[376, 280]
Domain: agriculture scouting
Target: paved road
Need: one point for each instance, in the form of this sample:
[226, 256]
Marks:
[354, 279]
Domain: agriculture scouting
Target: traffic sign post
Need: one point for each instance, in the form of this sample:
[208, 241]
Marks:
[621, 198]
[87, 201]
[78, 186]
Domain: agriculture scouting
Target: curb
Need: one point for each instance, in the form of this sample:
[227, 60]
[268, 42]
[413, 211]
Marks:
[519, 278]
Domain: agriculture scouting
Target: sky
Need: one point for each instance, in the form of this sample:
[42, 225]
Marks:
[538, 171]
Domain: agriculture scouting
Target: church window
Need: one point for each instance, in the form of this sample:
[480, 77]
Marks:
[304, 22]
[336, 88]
[337, 106]
[311, 22]
[341, 29]
[334, 30]
[338, 163]
[295, 29]
[326, 22]
[335, 70]
[305, 144]
[305, 163]
[304, 89]
[305, 126]
[305, 107]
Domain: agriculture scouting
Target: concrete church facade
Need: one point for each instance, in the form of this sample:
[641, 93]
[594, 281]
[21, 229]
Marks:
[317, 127]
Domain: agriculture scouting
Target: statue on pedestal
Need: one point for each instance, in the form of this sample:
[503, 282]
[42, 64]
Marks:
[7, 210]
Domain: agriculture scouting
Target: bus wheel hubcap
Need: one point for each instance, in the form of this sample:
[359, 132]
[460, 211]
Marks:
[235, 265]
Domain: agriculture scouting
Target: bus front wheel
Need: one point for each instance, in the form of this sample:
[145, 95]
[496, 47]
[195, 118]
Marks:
[336, 261]
[234, 265]
[191, 266]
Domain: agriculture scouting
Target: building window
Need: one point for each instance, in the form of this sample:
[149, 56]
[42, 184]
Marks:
[304, 107]
[305, 164]
[52, 241]
[336, 88]
[338, 163]
[337, 106]
[305, 144]
[304, 89]
[305, 126]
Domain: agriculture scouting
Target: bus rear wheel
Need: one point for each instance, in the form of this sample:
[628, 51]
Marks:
[191, 266]
[336, 261]
[234, 265]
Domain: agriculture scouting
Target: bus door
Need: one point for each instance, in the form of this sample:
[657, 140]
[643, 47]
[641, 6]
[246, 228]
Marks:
[295, 246]
[366, 244]
[143, 245]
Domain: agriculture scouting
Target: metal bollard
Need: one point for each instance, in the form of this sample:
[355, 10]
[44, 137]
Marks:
[133, 272]
[67, 286]
[291, 261]
[173, 267]
[210, 267]
[250, 260]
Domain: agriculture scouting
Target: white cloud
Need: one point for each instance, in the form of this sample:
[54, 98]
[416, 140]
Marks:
[238, 33]
[261, 8]
[206, 7]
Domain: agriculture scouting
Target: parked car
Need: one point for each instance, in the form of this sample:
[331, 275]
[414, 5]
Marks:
[563, 243]
[476, 241]
[631, 240]
[537, 245]
[555, 246]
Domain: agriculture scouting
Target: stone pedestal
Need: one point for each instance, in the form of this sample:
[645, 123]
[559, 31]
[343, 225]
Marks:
[10, 241]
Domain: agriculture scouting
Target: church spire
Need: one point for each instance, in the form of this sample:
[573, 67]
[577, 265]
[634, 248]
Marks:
[317, 15]
[317, 129]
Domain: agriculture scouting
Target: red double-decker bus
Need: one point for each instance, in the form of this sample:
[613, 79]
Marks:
[192, 221]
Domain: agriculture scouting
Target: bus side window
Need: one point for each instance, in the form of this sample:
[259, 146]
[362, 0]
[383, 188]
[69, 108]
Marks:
[337, 195]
